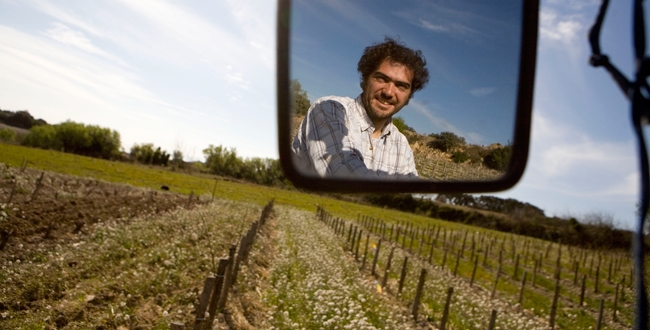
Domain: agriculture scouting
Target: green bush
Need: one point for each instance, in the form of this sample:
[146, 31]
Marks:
[225, 162]
[43, 137]
[8, 135]
[76, 138]
[446, 141]
[459, 157]
[476, 153]
[400, 123]
[146, 154]
[498, 159]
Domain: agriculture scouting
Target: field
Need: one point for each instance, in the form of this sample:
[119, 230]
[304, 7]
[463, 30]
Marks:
[84, 250]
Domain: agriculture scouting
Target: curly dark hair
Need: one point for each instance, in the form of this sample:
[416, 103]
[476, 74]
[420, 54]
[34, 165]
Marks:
[374, 55]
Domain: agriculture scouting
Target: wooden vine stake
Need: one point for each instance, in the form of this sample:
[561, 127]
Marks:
[38, 186]
[365, 252]
[521, 291]
[384, 281]
[471, 282]
[356, 250]
[554, 303]
[418, 294]
[496, 281]
[208, 287]
[214, 190]
[514, 274]
[534, 272]
[227, 281]
[457, 261]
[215, 300]
[354, 238]
[445, 312]
[582, 289]
[596, 280]
[493, 320]
[374, 262]
[444, 258]
[615, 303]
[23, 165]
[13, 191]
[189, 200]
[599, 324]
[402, 275]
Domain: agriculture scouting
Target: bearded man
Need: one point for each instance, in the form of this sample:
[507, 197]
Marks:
[355, 138]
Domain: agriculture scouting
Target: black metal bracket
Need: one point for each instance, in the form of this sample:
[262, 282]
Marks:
[638, 92]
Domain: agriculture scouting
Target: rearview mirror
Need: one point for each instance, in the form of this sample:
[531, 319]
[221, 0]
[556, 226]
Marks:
[355, 111]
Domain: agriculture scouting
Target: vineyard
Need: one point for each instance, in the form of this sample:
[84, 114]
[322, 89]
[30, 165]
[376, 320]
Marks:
[81, 252]
[437, 165]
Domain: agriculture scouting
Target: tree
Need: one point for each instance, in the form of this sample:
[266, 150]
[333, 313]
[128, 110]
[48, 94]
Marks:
[8, 135]
[400, 123]
[20, 119]
[104, 143]
[476, 153]
[76, 138]
[223, 161]
[146, 154]
[459, 157]
[299, 98]
[498, 159]
[446, 141]
[43, 137]
[177, 159]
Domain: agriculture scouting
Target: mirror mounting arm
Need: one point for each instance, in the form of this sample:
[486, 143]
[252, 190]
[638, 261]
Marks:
[640, 117]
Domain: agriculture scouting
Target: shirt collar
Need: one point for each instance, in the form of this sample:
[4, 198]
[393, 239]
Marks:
[364, 119]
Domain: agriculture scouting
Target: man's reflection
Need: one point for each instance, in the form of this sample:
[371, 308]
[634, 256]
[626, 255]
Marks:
[345, 137]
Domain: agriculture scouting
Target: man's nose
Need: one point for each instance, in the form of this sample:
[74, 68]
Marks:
[388, 91]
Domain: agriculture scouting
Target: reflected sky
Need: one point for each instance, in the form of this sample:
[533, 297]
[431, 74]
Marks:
[471, 47]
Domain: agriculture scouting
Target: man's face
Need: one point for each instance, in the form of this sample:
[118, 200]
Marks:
[387, 90]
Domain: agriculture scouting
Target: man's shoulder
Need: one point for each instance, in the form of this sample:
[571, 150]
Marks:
[343, 100]
[335, 106]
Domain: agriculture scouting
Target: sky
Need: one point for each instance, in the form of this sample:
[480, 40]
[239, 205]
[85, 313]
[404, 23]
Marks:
[187, 74]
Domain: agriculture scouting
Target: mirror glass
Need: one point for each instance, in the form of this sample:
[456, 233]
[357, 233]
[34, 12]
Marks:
[459, 126]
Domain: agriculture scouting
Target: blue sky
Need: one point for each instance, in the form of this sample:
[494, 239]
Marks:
[184, 75]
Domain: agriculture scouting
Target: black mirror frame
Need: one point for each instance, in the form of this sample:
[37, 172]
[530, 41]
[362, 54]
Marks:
[520, 143]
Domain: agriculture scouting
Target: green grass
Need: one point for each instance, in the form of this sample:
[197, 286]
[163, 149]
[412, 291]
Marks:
[202, 185]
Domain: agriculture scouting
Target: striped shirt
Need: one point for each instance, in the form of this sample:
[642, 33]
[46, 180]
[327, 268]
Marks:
[334, 140]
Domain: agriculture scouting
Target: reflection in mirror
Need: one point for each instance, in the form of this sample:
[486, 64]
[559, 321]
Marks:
[457, 127]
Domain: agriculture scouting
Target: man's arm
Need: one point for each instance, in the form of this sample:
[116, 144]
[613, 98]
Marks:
[325, 137]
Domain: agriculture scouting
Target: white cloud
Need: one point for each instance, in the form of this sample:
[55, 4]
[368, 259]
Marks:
[563, 28]
[482, 91]
[575, 163]
[65, 35]
[433, 27]
[444, 19]
[443, 125]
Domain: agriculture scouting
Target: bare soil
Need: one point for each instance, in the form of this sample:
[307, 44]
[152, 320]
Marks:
[54, 211]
